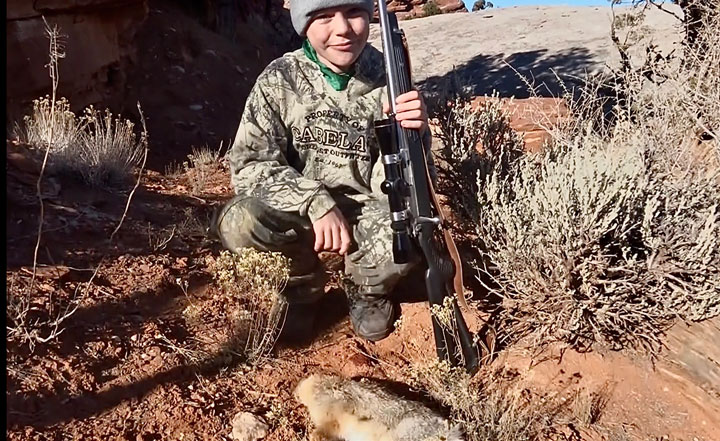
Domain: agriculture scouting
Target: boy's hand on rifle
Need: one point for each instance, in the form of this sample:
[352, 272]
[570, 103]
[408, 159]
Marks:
[332, 233]
[411, 111]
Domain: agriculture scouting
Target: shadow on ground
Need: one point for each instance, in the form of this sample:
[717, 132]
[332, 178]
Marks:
[521, 74]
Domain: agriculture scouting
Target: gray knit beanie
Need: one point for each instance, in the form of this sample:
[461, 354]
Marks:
[302, 10]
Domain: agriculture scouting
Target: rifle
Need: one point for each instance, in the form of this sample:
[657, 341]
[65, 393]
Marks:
[416, 219]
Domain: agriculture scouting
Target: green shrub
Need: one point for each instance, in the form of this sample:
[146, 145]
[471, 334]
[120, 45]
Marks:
[431, 8]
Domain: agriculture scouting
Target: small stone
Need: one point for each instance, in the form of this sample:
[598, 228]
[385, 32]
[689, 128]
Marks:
[179, 69]
[248, 427]
[196, 107]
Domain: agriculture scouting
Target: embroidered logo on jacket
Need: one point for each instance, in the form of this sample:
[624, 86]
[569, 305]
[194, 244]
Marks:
[342, 144]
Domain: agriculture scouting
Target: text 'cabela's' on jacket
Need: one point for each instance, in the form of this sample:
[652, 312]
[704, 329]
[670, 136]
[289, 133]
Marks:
[301, 144]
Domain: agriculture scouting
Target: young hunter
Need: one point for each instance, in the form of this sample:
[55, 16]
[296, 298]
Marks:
[305, 166]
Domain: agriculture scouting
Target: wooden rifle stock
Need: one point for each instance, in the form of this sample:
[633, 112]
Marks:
[416, 218]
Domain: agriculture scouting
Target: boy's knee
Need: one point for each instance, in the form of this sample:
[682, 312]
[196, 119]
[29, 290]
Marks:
[235, 222]
[249, 222]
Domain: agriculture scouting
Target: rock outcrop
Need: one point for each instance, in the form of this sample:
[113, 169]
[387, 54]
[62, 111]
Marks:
[531, 117]
[406, 9]
[98, 35]
[416, 8]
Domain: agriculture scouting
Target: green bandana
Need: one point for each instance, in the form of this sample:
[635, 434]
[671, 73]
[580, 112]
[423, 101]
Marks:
[337, 81]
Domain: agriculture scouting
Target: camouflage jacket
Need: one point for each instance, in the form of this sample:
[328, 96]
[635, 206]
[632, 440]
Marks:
[302, 146]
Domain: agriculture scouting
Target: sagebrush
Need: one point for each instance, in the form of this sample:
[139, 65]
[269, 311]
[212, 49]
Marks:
[253, 280]
[431, 8]
[474, 138]
[99, 148]
[612, 232]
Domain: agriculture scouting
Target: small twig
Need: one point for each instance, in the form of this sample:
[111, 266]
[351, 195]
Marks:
[195, 197]
[142, 168]
[660, 7]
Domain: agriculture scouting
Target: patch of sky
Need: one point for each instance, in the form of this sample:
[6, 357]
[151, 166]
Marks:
[510, 3]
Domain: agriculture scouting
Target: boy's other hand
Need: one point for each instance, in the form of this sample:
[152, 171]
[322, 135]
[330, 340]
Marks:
[411, 111]
[332, 233]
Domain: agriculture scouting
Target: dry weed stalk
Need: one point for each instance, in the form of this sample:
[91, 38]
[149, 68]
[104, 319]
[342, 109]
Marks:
[29, 324]
[159, 240]
[255, 280]
[145, 146]
[192, 353]
[21, 327]
[56, 52]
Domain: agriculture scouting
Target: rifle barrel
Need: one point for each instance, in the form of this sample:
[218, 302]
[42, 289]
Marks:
[390, 66]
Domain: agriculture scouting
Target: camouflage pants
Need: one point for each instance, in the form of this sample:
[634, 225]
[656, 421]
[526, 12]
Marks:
[246, 221]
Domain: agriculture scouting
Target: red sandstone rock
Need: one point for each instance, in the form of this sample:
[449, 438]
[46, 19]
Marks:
[416, 8]
[529, 116]
[451, 5]
[98, 42]
[398, 6]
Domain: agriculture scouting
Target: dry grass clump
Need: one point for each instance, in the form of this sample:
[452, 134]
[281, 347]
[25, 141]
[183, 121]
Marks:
[100, 149]
[613, 231]
[589, 405]
[108, 150]
[200, 165]
[55, 128]
[253, 281]
[497, 410]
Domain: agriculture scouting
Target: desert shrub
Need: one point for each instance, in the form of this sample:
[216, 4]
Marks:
[96, 147]
[252, 281]
[473, 139]
[107, 152]
[54, 127]
[612, 232]
[431, 8]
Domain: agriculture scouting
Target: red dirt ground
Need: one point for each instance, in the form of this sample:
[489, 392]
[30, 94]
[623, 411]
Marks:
[121, 370]
[145, 358]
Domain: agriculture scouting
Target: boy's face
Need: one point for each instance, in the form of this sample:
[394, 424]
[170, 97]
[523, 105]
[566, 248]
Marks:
[339, 35]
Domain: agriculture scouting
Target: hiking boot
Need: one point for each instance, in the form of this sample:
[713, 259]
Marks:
[372, 316]
[299, 322]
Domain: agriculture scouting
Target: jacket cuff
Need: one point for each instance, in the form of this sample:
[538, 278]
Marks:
[319, 205]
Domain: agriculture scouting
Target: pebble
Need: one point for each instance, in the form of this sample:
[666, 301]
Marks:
[248, 427]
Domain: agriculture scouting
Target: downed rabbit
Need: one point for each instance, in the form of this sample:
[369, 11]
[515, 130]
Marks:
[363, 411]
